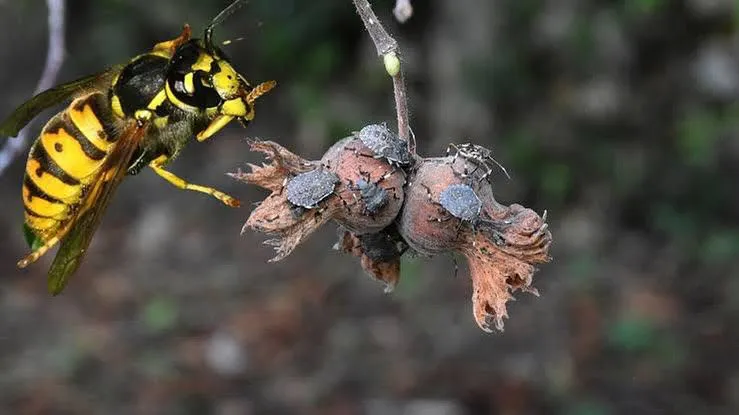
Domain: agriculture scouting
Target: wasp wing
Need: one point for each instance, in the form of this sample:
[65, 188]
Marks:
[75, 243]
[11, 126]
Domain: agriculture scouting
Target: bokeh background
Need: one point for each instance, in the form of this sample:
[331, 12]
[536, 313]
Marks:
[618, 117]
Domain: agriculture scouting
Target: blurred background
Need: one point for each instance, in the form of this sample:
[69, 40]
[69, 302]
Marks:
[618, 117]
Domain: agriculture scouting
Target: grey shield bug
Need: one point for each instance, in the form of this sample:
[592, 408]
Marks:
[308, 189]
[385, 143]
[461, 201]
[373, 196]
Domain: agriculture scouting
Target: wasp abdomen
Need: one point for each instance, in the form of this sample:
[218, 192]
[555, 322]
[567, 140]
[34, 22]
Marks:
[64, 159]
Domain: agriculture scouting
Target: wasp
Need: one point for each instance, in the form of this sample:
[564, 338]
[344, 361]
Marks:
[119, 121]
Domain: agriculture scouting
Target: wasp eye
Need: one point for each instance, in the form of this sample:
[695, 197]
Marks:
[214, 67]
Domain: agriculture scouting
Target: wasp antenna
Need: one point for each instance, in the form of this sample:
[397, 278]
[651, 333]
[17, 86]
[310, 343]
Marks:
[260, 90]
[230, 41]
[223, 15]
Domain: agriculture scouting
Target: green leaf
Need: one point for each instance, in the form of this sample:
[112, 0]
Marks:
[34, 242]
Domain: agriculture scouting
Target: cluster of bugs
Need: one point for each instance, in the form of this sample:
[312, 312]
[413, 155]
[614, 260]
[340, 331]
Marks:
[384, 144]
[129, 116]
[307, 190]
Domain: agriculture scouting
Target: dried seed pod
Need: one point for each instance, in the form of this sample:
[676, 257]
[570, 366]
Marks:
[349, 185]
[446, 206]
[371, 189]
[450, 207]
[308, 189]
[275, 215]
[385, 143]
[424, 223]
[379, 253]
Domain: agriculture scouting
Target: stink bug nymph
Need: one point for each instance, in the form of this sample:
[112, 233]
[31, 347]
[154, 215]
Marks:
[373, 196]
[308, 189]
[461, 201]
[385, 144]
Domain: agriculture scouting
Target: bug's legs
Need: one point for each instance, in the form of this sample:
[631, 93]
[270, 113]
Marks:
[157, 165]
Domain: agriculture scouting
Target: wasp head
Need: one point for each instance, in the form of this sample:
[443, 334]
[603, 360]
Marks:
[200, 77]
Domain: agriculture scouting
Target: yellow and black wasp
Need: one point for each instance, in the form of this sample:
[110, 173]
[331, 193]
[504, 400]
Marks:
[120, 120]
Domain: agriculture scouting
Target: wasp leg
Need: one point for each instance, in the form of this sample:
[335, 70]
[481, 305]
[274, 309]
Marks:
[138, 164]
[214, 126]
[43, 249]
[157, 165]
[170, 46]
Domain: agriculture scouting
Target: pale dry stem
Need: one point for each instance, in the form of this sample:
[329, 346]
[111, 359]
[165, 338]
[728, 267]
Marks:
[54, 60]
[385, 44]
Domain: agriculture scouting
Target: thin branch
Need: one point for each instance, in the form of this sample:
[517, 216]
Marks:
[380, 37]
[387, 47]
[54, 59]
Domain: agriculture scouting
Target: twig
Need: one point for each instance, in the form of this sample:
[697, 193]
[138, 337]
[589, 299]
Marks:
[387, 47]
[54, 59]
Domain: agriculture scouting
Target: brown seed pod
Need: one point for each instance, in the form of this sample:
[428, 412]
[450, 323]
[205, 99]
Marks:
[349, 185]
[424, 223]
[276, 215]
[450, 207]
[379, 253]
[370, 189]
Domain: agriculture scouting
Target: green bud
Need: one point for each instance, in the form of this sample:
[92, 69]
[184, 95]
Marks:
[392, 63]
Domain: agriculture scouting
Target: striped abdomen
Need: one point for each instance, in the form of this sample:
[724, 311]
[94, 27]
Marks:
[64, 161]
